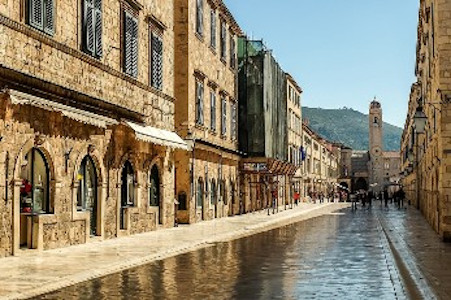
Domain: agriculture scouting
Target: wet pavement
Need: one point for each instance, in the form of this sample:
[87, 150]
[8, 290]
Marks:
[342, 255]
[35, 273]
[377, 253]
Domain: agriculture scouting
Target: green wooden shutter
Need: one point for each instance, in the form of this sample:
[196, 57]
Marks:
[88, 25]
[49, 16]
[98, 27]
[36, 13]
[131, 45]
[157, 62]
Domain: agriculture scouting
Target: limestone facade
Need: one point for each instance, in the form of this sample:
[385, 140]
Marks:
[321, 165]
[207, 181]
[51, 68]
[294, 126]
[427, 156]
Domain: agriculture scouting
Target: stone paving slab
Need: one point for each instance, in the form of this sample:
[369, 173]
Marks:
[35, 273]
[420, 249]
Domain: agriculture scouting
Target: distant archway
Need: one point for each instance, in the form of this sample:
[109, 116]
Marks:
[361, 184]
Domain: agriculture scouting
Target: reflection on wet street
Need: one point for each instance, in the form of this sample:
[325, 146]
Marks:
[337, 256]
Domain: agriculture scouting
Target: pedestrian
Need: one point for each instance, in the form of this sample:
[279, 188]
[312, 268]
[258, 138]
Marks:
[402, 195]
[370, 198]
[296, 198]
[386, 197]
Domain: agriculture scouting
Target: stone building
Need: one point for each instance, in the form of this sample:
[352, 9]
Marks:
[206, 114]
[86, 121]
[294, 127]
[426, 147]
[321, 164]
[263, 134]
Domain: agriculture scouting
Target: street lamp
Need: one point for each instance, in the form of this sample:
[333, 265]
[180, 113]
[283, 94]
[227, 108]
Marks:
[420, 120]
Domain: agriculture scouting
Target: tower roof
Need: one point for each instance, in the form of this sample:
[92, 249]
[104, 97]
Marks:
[375, 103]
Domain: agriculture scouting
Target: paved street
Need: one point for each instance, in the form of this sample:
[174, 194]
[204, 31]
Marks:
[341, 255]
[35, 273]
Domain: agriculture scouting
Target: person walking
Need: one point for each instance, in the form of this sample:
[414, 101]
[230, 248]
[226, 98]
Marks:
[386, 197]
[402, 195]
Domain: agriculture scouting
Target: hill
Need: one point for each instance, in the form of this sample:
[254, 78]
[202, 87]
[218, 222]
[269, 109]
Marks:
[349, 127]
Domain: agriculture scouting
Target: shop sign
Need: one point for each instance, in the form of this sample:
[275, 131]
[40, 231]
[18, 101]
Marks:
[255, 167]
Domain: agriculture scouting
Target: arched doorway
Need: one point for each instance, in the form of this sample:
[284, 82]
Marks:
[361, 184]
[127, 191]
[154, 192]
[87, 192]
[34, 193]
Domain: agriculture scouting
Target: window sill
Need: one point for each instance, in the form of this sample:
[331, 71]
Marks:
[213, 50]
[200, 126]
[224, 61]
[199, 36]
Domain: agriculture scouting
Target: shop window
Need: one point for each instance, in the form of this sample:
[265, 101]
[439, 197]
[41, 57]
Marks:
[154, 188]
[34, 192]
[87, 185]
[128, 185]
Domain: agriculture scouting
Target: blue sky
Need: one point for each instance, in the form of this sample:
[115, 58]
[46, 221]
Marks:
[342, 52]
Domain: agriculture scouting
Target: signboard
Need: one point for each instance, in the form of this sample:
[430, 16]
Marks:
[255, 167]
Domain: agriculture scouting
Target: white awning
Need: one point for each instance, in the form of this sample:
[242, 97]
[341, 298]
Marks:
[76, 114]
[158, 136]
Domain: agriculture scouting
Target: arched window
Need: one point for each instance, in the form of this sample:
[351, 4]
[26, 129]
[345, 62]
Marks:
[213, 192]
[87, 187]
[34, 192]
[200, 192]
[128, 185]
[154, 187]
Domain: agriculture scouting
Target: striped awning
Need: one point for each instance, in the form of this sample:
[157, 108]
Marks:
[158, 136]
[82, 116]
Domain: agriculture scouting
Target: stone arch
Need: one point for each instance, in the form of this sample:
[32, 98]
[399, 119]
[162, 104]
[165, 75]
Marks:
[97, 159]
[46, 149]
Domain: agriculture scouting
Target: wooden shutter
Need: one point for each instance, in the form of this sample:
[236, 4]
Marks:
[48, 16]
[131, 45]
[36, 13]
[224, 117]
[213, 28]
[157, 62]
[88, 24]
[213, 111]
[201, 104]
[98, 27]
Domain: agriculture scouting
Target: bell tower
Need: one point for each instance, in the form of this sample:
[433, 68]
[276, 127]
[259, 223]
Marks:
[376, 174]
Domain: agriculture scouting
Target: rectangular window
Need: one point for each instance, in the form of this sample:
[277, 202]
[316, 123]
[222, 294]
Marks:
[156, 71]
[92, 27]
[200, 17]
[232, 52]
[213, 110]
[199, 103]
[213, 29]
[41, 15]
[223, 41]
[224, 116]
[233, 124]
[130, 44]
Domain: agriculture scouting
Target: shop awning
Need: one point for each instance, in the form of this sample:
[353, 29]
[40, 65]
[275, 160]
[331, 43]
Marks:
[158, 136]
[76, 114]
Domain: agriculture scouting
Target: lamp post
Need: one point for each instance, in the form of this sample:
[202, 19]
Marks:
[419, 120]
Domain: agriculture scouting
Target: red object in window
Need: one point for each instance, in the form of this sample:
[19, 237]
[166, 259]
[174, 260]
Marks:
[26, 187]
[296, 196]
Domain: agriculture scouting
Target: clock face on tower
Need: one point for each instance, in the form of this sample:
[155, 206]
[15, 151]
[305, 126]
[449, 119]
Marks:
[377, 151]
